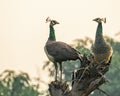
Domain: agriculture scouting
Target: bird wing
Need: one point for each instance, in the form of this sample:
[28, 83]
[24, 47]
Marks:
[61, 51]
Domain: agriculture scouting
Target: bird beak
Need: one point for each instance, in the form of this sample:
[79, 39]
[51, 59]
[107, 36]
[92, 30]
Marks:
[57, 23]
[94, 19]
[103, 19]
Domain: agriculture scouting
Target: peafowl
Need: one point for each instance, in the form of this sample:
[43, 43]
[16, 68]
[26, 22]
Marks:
[56, 51]
[102, 50]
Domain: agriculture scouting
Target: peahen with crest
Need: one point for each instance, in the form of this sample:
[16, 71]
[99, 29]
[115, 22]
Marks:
[57, 51]
[102, 50]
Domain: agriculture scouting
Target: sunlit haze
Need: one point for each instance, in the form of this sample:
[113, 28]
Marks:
[23, 31]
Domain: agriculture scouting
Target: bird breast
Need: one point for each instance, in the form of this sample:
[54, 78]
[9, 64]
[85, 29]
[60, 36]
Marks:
[48, 55]
[103, 56]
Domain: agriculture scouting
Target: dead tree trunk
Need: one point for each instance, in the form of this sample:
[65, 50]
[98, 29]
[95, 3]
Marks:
[85, 80]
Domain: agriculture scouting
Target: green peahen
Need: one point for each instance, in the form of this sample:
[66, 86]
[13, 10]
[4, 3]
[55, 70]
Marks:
[56, 51]
[102, 50]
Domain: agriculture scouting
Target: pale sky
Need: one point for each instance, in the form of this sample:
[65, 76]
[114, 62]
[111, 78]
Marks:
[23, 31]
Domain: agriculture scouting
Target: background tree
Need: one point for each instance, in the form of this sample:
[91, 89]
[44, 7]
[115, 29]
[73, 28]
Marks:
[112, 87]
[13, 84]
[20, 84]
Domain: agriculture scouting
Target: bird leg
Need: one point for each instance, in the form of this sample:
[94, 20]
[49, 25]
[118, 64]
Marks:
[56, 69]
[60, 71]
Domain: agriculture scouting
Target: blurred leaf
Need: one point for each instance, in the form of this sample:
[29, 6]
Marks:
[13, 84]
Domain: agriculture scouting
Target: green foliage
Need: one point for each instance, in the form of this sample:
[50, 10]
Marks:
[82, 45]
[12, 84]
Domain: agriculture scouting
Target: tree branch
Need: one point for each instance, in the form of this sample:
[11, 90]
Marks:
[86, 79]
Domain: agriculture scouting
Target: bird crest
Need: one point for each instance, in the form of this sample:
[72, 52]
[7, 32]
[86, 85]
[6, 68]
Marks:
[103, 19]
[52, 22]
[48, 19]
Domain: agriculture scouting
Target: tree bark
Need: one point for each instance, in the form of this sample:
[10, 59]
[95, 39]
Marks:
[86, 79]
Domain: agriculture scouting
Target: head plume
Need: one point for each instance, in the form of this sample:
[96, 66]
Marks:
[48, 19]
[52, 22]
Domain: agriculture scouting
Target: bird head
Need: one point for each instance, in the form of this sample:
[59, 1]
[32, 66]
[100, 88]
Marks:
[52, 22]
[99, 20]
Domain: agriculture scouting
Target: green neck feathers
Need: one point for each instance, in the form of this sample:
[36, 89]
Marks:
[52, 34]
[99, 36]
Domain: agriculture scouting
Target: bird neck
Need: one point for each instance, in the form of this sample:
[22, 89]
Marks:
[99, 36]
[52, 34]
